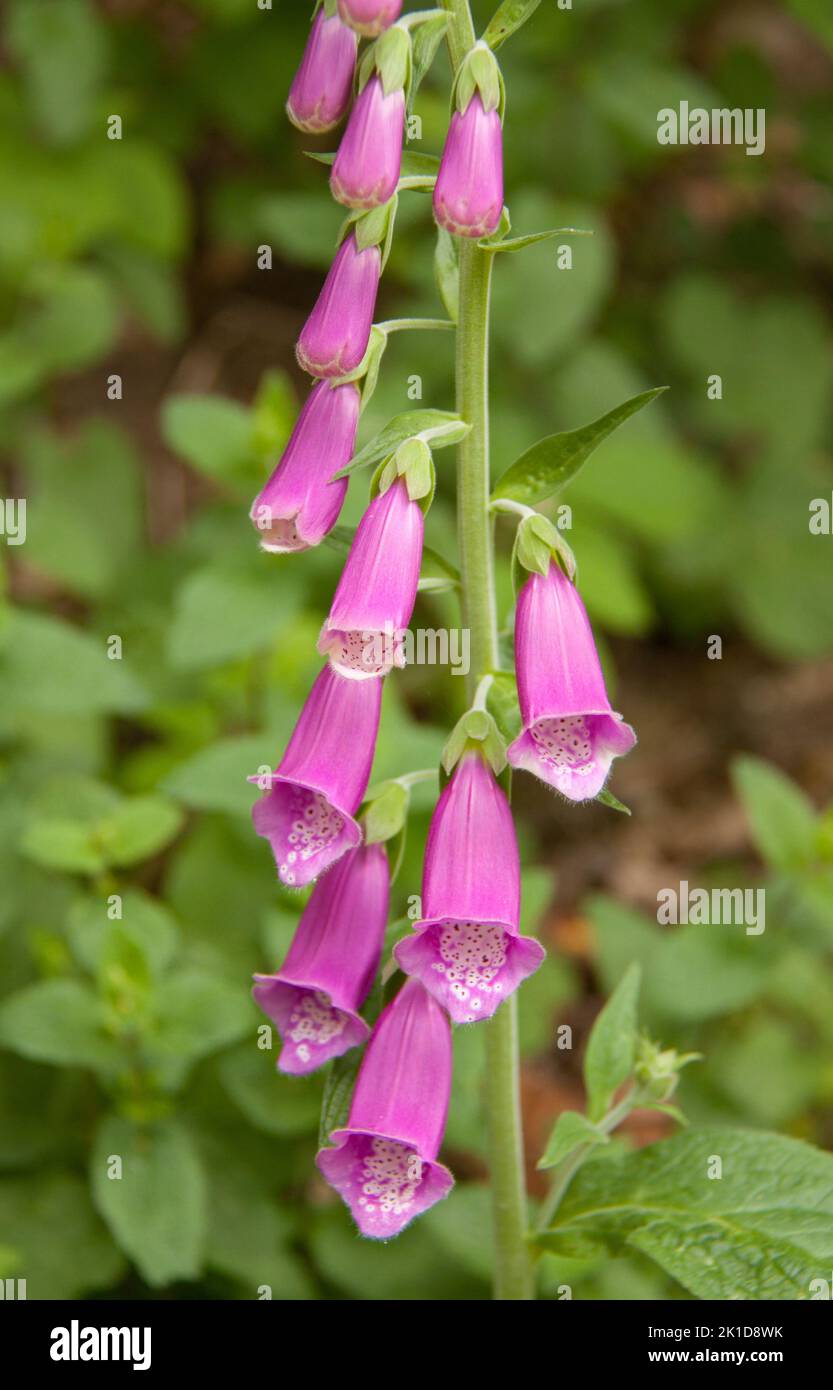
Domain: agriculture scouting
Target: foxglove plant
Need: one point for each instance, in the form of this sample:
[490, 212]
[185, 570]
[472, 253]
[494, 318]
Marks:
[465, 958]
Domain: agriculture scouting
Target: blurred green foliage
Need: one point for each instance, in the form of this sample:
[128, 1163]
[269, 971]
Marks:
[136, 899]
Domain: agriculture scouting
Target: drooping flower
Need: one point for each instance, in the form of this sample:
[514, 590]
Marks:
[315, 996]
[335, 336]
[570, 733]
[468, 194]
[307, 814]
[384, 1163]
[466, 949]
[323, 85]
[369, 17]
[366, 168]
[299, 504]
[373, 603]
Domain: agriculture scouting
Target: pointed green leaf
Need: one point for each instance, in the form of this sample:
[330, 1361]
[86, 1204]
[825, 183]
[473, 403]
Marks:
[554, 461]
[519, 243]
[400, 428]
[572, 1130]
[759, 1227]
[507, 18]
[611, 1050]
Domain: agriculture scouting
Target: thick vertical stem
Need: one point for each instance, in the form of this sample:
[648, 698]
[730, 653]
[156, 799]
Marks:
[513, 1273]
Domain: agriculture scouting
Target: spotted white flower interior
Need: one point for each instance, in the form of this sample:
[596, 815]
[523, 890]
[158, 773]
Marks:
[565, 744]
[390, 1176]
[360, 653]
[313, 1024]
[471, 957]
[314, 824]
[282, 534]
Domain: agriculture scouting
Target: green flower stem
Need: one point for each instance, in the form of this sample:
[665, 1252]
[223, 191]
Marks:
[513, 1270]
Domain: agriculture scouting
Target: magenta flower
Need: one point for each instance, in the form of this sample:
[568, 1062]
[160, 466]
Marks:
[335, 336]
[308, 813]
[374, 600]
[467, 950]
[366, 168]
[314, 998]
[369, 17]
[323, 85]
[468, 194]
[384, 1163]
[570, 734]
[299, 504]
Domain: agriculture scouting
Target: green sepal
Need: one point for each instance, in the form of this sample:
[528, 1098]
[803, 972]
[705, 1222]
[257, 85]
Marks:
[608, 799]
[480, 72]
[537, 543]
[373, 228]
[391, 56]
[477, 731]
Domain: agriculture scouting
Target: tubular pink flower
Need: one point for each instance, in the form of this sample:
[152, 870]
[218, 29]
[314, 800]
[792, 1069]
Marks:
[468, 194]
[570, 733]
[467, 950]
[384, 1163]
[323, 85]
[308, 813]
[314, 998]
[366, 168]
[369, 17]
[373, 603]
[335, 336]
[299, 504]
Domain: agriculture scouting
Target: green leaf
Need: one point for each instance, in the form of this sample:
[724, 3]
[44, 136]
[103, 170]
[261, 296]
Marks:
[762, 1230]
[72, 488]
[611, 1049]
[58, 1021]
[403, 427]
[156, 1209]
[781, 817]
[220, 617]
[273, 1103]
[520, 243]
[81, 677]
[570, 1131]
[215, 778]
[447, 272]
[508, 17]
[425, 40]
[144, 920]
[215, 435]
[60, 45]
[385, 813]
[62, 1249]
[502, 704]
[551, 463]
[139, 829]
[608, 799]
[196, 1014]
[338, 1090]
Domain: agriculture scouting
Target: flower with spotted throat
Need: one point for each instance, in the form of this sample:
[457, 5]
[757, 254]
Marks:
[384, 1160]
[314, 998]
[374, 600]
[308, 811]
[570, 733]
[467, 950]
